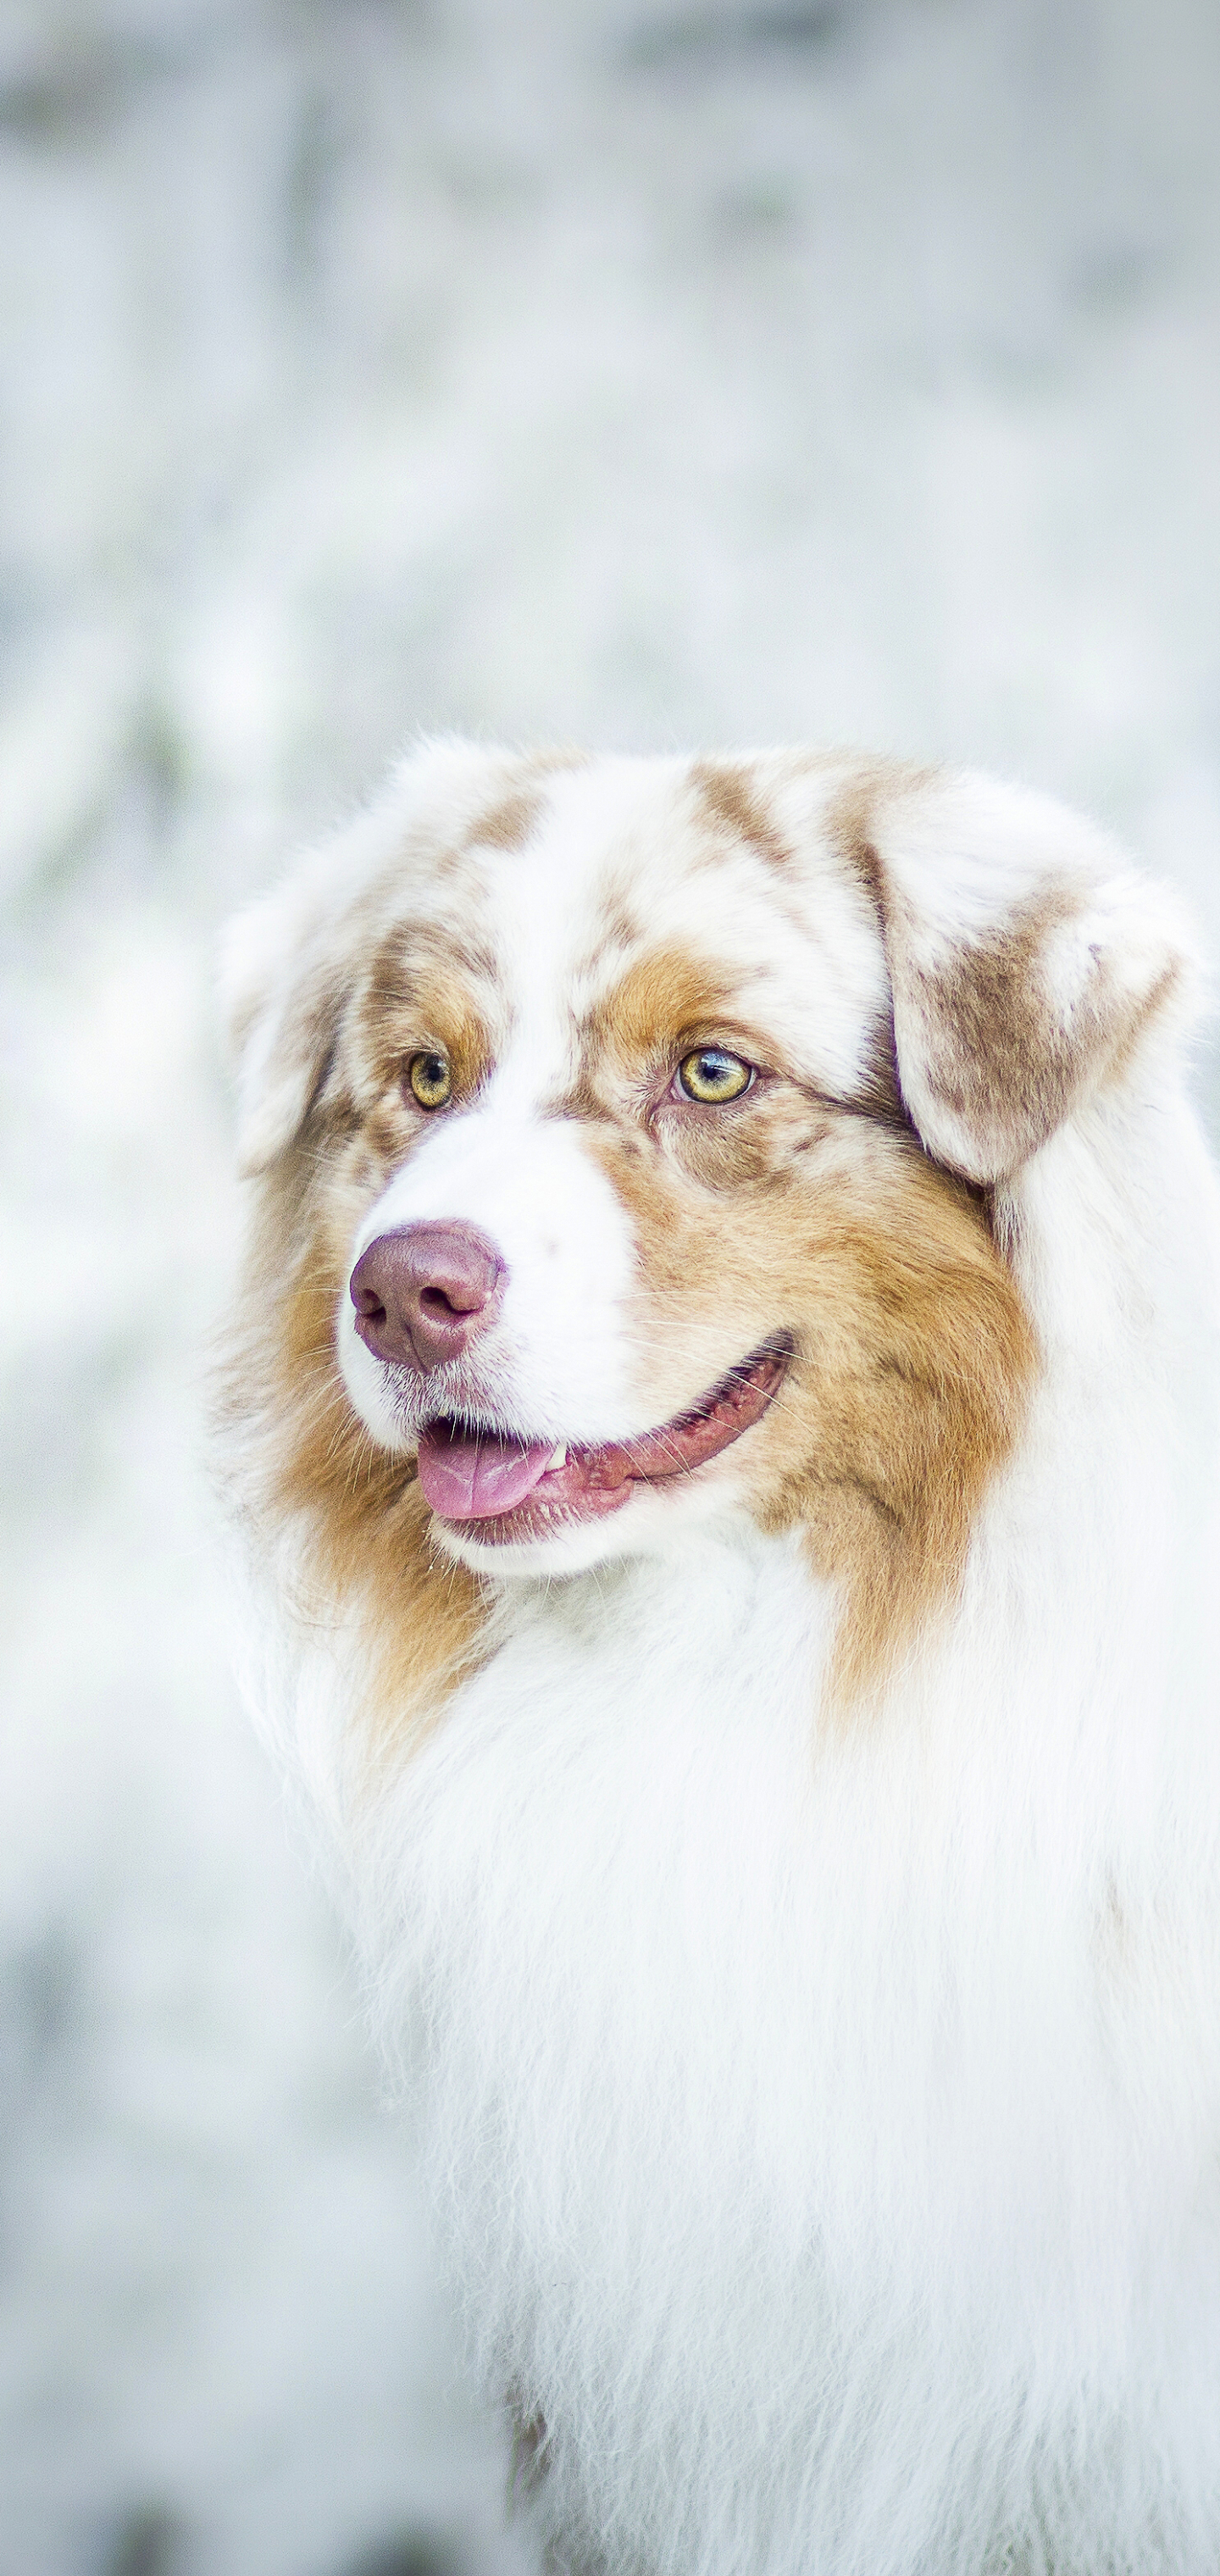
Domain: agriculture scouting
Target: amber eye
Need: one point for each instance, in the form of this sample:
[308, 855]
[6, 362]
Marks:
[430, 1080]
[714, 1076]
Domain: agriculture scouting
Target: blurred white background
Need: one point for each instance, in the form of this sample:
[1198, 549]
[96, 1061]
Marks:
[646, 371]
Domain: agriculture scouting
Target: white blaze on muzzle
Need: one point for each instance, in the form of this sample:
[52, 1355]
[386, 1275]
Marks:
[552, 1359]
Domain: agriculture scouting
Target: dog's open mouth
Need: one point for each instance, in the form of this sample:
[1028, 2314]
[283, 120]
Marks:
[504, 1487]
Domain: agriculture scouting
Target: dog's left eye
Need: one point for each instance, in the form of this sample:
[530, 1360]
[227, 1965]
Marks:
[712, 1075]
[430, 1080]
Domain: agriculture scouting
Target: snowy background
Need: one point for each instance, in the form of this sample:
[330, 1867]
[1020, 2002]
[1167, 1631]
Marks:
[634, 370]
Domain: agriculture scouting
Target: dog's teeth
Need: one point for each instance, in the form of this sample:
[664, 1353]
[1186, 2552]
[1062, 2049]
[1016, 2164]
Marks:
[558, 1457]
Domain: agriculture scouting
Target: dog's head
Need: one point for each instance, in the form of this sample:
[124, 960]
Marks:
[630, 1135]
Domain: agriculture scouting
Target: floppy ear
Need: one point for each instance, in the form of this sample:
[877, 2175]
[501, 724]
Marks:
[1026, 960]
[281, 998]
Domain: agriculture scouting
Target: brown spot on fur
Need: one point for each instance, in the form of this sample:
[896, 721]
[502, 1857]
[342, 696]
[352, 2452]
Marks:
[508, 824]
[995, 1049]
[987, 1024]
[730, 799]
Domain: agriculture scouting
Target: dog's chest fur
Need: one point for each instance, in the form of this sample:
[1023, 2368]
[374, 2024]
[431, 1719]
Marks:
[774, 2094]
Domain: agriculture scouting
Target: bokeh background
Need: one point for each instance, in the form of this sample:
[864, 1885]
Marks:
[648, 371]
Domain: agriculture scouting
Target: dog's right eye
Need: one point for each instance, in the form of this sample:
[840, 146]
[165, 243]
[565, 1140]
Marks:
[430, 1080]
[713, 1076]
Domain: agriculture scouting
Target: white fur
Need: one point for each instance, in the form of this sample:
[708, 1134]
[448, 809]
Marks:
[827, 2116]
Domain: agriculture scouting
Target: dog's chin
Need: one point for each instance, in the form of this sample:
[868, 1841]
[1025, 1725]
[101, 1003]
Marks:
[563, 1547]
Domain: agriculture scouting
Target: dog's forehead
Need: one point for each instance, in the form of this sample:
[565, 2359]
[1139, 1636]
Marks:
[571, 881]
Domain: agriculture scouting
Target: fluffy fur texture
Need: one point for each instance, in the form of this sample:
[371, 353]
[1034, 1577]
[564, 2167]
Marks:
[803, 1882]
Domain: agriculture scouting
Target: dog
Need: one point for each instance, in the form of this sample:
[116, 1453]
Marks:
[723, 1400]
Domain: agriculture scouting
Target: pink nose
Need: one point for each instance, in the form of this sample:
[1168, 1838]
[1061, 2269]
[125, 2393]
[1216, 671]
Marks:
[423, 1293]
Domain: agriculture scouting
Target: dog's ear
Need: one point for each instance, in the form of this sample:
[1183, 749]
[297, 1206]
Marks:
[1026, 962]
[281, 999]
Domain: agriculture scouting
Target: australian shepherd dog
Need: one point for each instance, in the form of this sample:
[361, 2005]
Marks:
[724, 1406]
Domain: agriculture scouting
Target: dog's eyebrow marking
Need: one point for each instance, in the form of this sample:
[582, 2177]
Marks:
[731, 800]
[442, 983]
[667, 996]
[662, 996]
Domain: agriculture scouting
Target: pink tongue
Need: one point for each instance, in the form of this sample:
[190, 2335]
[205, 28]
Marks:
[471, 1475]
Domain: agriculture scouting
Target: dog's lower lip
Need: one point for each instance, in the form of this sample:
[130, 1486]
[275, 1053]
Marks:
[596, 1480]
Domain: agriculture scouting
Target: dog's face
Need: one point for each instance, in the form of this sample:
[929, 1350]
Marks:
[585, 1100]
[608, 1081]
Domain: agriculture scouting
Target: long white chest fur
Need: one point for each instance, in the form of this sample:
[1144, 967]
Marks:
[821, 2084]
[780, 2091]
